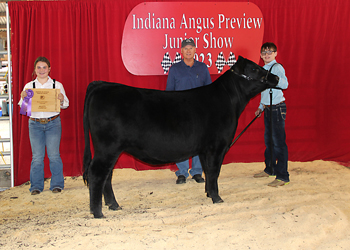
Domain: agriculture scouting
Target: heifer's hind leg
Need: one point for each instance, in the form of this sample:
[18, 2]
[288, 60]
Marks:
[98, 175]
[211, 164]
[108, 194]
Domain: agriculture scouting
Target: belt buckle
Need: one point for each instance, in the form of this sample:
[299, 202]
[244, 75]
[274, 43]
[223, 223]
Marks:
[43, 120]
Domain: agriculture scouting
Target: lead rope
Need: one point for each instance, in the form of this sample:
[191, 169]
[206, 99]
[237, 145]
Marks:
[234, 141]
[271, 143]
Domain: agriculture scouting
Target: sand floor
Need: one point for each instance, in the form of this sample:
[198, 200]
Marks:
[312, 212]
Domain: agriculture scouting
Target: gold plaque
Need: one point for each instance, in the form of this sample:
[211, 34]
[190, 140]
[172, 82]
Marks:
[46, 100]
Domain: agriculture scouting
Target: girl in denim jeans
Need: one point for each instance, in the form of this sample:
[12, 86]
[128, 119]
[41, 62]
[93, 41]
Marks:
[45, 132]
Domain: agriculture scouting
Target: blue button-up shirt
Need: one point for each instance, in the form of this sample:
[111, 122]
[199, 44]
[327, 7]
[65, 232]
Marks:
[277, 94]
[182, 76]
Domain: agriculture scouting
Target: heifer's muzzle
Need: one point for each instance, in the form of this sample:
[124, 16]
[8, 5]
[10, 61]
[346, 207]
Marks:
[271, 78]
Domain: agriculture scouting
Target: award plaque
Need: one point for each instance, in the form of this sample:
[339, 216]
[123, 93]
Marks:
[46, 100]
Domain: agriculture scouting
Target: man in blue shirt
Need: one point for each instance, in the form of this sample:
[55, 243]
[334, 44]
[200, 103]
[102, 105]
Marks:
[279, 165]
[188, 74]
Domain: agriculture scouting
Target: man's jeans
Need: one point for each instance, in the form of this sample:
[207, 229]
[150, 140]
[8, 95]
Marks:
[280, 150]
[49, 136]
[184, 166]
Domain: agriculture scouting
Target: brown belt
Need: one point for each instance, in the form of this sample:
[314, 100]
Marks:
[267, 106]
[44, 120]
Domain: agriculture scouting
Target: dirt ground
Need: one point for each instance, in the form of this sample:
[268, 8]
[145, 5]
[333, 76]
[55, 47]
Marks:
[312, 212]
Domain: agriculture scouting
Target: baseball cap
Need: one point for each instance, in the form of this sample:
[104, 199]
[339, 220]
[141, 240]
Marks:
[188, 41]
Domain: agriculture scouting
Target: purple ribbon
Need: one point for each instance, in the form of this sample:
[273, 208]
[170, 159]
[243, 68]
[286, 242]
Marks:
[26, 106]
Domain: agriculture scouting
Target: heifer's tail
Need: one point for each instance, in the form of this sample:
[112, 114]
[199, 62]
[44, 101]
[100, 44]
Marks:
[87, 150]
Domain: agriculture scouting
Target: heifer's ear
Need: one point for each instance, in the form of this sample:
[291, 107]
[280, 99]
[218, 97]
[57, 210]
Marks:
[238, 67]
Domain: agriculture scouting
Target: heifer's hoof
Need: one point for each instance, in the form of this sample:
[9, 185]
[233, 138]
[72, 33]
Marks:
[115, 207]
[217, 200]
[97, 215]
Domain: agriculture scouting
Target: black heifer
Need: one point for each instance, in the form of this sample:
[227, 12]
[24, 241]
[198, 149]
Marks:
[161, 127]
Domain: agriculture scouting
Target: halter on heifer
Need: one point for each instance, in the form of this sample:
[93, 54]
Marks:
[270, 92]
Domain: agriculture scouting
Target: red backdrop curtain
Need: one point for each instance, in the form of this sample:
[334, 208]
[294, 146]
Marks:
[82, 39]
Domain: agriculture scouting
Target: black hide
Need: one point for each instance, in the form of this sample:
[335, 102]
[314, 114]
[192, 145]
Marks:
[160, 127]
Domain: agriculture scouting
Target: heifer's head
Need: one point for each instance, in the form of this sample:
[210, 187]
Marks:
[260, 78]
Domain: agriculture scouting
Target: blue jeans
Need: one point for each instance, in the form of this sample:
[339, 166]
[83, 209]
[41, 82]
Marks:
[45, 136]
[185, 165]
[279, 166]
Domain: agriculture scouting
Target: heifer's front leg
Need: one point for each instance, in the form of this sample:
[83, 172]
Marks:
[211, 169]
[108, 194]
[212, 188]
